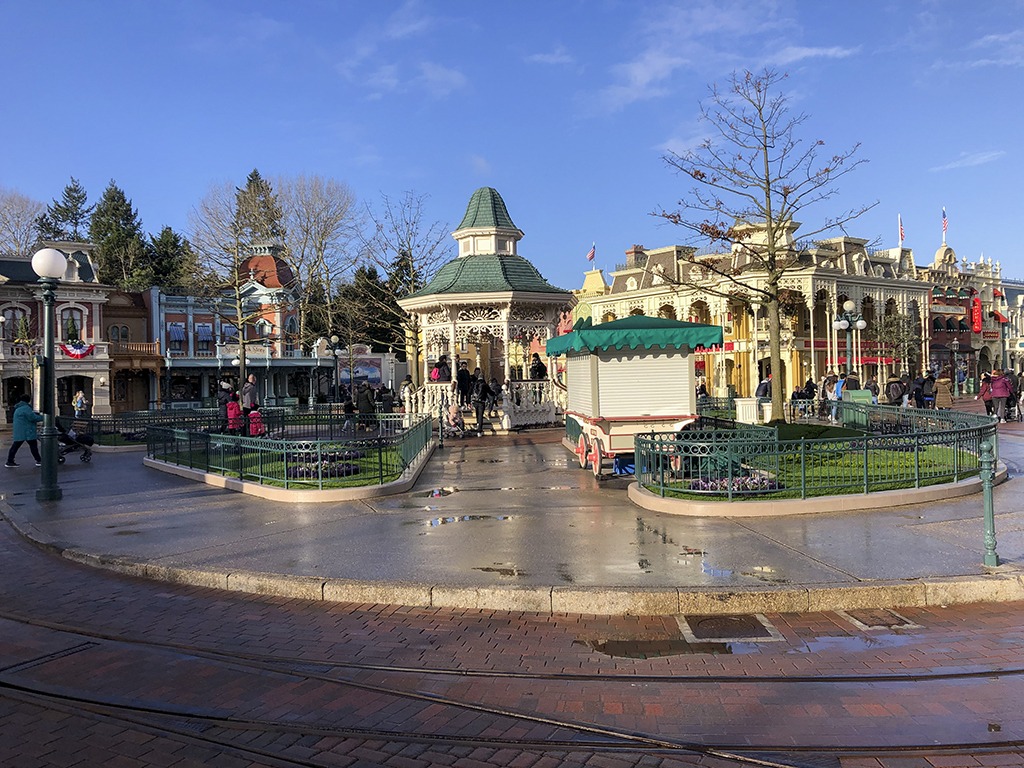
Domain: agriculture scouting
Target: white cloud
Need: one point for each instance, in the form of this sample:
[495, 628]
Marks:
[559, 56]
[794, 53]
[438, 80]
[644, 78]
[967, 160]
[1001, 50]
[480, 164]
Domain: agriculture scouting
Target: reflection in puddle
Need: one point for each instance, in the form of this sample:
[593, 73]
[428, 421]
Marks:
[853, 643]
[435, 492]
[653, 649]
[437, 521]
[502, 569]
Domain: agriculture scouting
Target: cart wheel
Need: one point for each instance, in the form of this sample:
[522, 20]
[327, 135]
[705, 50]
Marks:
[582, 451]
[61, 459]
[596, 457]
[86, 457]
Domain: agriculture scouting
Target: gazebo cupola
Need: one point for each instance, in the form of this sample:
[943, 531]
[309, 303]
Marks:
[487, 227]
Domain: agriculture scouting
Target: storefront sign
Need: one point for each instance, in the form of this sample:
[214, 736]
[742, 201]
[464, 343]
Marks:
[947, 309]
[988, 335]
[976, 315]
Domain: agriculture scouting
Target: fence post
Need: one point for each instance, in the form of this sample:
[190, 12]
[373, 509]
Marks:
[380, 460]
[865, 463]
[440, 425]
[803, 467]
[728, 461]
[988, 464]
[659, 447]
[917, 460]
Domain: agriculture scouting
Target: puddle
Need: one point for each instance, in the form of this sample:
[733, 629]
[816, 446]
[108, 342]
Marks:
[438, 521]
[502, 569]
[435, 492]
[853, 643]
[653, 649]
[491, 461]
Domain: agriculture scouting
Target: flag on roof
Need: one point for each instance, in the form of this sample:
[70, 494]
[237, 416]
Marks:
[944, 222]
[592, 252]
[899, 219]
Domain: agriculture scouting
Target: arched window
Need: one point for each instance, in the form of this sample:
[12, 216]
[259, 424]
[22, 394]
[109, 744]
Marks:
[114, 334]
[636, 311]
[631, 284]
[291, 333]
[71, 324]
[15, 323]
[125, 336]
[608, 317]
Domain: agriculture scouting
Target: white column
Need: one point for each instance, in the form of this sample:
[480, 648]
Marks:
[814, 365]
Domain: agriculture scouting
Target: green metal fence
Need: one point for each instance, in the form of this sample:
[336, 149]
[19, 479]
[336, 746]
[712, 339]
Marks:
[901, 448]
[371, 456]
[129, 428]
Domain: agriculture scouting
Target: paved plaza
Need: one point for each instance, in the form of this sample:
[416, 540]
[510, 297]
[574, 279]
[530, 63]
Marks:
[99, 668]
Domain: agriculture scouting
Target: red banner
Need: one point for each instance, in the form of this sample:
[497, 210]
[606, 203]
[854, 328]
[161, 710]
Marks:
[976, 315]
[77, 352]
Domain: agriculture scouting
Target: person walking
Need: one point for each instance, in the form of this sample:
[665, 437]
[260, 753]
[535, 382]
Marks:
[463, 383]
[1000, 391]
[538, 370]
[223, 398]
[250, 397]
[365, 405]
[928, 390]
[894, 390]
[872, 387]
[405, 390]
[985, 393]
[944, 391]
[81, 404]
[852, 382]
[234, 411]
[764, 389]
[25, 431]
[492, 400]
[481, 392]
[444, 371]
[917, 392]
[905, 380]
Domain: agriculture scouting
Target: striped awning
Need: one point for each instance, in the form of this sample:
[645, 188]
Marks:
[204, 332]
[176, 332]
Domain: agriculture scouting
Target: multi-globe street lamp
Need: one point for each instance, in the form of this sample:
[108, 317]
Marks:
[847, 321]
[954, 347]
[50, 264]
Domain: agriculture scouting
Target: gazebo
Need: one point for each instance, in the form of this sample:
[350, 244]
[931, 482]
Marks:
[489, 302]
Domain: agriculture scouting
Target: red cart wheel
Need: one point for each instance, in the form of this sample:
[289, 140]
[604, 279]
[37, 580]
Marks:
[596, 457]
[582, 450]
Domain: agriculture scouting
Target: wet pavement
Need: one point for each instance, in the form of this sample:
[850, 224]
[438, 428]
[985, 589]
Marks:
[506, 511]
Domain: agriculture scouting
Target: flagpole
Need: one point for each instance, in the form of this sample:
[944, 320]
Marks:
[899, 225]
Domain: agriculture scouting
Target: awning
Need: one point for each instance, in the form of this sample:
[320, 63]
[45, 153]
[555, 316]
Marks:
[1000, 317]
[939, 325]
[177, 332]
[204, 332]
[633, 332]
[951, 325]
[997, 292]
[229, 331]
[964, 326]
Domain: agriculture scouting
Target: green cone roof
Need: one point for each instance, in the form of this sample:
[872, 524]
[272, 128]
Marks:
[633, 332]
[487, 273]
[486, 209]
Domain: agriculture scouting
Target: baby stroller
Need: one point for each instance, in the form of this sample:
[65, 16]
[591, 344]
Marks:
[454, 425]
[69, 441]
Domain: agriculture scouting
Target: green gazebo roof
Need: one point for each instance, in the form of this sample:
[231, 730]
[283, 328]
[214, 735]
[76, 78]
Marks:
[487, 273]
[633, 332]
[486, 209]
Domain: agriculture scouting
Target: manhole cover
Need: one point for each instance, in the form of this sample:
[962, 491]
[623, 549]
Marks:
[877, 618]
[726, 627]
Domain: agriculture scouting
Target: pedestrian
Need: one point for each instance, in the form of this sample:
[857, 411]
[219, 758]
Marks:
[1000, 391]
[944, 391]
[928, 390]
[832, 385]
[492, 400]
[365, 405]
[463, 383]
[443, 369]
[25, 431]
[702, 388]
[538, 370]
[256, 426]
[985, 393]
[917, 392]
[234, 411]
[387, 400]
[80, 405]
[872, 387]
[764, 389]
[350, 409]
[905, 380]
[405, 391]
[811, 389]
[250, 397]
[852, 382]
[894, 390]
[1011, 401]
[223, 398]
[481, 392]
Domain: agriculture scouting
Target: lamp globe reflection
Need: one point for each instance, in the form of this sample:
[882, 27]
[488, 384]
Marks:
[49, 262]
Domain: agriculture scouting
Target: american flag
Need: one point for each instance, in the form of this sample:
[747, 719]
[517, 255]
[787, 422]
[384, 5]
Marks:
[944, 222]
[899, 218]
[592, 252]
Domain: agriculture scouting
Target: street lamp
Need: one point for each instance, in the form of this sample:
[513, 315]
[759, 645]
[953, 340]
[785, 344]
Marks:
[954, 347]
[847, 321]
[336, 353]
[50, 264]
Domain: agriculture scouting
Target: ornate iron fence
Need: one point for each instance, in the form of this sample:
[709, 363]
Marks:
[900, 448]
[375, 454]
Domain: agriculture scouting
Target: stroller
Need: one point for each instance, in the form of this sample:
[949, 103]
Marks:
[454, 425]
[70, 441]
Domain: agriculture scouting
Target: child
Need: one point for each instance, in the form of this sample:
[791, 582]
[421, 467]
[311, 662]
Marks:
[234, 415]
[256, 426]
[349, 408]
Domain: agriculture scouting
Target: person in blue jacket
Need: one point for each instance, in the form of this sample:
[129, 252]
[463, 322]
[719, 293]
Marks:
[25, 420]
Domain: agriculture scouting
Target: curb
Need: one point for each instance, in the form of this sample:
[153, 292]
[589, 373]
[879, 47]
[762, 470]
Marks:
[853, 502]
[998, 585]
[294, 495]
[118, 448]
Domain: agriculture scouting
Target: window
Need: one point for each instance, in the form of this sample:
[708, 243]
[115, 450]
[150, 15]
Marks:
[124, 333]
[114, 334]
[229, 333]
[16, 324]
[291, 331]
[631, 284]
[176, 335]
[71, 324]
[262, 329]
[204, 336]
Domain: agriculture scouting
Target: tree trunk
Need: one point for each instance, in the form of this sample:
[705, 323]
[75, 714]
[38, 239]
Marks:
[775, 351]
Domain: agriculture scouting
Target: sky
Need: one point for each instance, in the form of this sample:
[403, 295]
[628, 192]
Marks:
[566, 108]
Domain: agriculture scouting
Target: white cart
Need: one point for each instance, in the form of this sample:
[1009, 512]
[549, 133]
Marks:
[628, 377]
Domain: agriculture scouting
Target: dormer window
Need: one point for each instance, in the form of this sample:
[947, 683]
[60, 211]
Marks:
[631, 284]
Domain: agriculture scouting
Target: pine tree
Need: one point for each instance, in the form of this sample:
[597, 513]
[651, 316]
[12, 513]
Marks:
[67, 219]
[259, 214]
[24, 332]
[120, 245]
[171, 259]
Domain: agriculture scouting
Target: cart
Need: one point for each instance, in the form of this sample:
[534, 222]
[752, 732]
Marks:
[629, 377]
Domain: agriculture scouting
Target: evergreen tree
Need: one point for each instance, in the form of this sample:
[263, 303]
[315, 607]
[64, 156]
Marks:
[24, 332]
[259, 214]
[369, 309]
[120, 243]
[67, 219]
[172, 261]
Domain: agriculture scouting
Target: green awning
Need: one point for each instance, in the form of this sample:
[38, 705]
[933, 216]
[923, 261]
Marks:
[635, 332]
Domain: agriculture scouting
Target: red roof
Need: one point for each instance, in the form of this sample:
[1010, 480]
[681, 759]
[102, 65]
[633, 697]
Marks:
[267, 270]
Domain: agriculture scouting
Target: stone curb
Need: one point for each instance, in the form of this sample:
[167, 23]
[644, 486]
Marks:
[854, 502]
[293, 495]
[118, 448]
[1001, 584]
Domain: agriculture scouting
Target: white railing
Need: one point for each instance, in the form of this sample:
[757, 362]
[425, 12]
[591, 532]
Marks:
[134, 348]
[10, 350]
[523, 403]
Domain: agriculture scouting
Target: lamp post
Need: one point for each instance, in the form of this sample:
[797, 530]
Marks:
[50, 264]
[335, 354]
[847, 321]
[954, 347]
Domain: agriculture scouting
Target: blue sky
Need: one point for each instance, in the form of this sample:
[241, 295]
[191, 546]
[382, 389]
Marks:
[565, 107]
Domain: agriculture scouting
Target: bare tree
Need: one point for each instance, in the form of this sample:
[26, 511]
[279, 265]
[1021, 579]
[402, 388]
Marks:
[18, 215]
[222, 235]
[323, 222]
[409, 252]
[752, 178]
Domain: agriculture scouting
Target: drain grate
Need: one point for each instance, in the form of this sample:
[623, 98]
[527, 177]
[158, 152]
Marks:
[877, 618]
[745, 628]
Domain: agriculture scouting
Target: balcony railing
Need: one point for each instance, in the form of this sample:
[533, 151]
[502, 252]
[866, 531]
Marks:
[134, 348]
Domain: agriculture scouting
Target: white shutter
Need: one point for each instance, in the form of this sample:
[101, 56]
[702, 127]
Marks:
[646, 382]
[577, 365]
